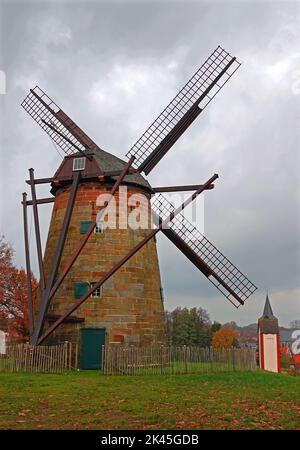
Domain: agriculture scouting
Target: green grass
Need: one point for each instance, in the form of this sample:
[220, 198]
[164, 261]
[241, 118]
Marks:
[180, 368]
[88, 400]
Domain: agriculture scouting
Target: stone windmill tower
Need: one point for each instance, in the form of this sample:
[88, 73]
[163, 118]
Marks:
[129, 306]
[102, 284]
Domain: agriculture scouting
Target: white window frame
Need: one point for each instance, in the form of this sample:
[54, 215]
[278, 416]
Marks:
[80, 162]
[98, 292]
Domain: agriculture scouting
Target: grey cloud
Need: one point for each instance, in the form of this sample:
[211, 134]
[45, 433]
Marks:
[248, 134]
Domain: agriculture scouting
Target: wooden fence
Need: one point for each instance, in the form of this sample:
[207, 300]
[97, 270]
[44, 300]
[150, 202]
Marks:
[48, 359]
[121, 360]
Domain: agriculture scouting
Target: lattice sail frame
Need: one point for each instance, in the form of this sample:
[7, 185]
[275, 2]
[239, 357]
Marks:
[41, 107]
[207, 252]
[199, 90]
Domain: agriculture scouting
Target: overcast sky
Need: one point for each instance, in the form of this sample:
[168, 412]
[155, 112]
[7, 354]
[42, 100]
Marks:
[113, 66]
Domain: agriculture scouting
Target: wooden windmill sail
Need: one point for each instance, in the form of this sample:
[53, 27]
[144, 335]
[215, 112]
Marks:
[103, 170]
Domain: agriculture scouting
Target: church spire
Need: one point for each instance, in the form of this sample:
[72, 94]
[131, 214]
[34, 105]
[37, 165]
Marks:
[267, 309]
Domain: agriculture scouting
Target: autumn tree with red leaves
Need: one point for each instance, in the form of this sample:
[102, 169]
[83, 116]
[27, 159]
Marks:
[13, 294]
[225, 337]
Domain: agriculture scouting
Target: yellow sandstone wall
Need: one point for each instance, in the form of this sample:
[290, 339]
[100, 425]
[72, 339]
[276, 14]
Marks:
[131, 305]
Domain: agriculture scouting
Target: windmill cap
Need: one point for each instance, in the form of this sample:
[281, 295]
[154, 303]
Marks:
[109, 162]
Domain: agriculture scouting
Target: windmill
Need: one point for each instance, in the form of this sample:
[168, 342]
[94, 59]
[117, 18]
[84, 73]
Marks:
[130, 307]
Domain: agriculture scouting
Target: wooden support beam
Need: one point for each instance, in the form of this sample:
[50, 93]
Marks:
[28, 267]
[109, 173]
[189, 187]
[56, 260]
[40, 181]
[40, 201]
[37, 230]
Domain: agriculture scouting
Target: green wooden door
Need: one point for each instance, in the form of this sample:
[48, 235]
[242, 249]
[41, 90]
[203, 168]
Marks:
[92, 341]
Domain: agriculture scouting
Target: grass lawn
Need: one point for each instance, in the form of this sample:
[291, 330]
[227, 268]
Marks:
[88, 400]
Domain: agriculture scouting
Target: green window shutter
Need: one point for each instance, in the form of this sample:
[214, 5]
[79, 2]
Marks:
[81, 289]
[84, 226]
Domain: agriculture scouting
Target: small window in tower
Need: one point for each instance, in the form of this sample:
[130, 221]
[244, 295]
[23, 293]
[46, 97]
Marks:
[98, 227]
[98, 292]
[78, 163]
